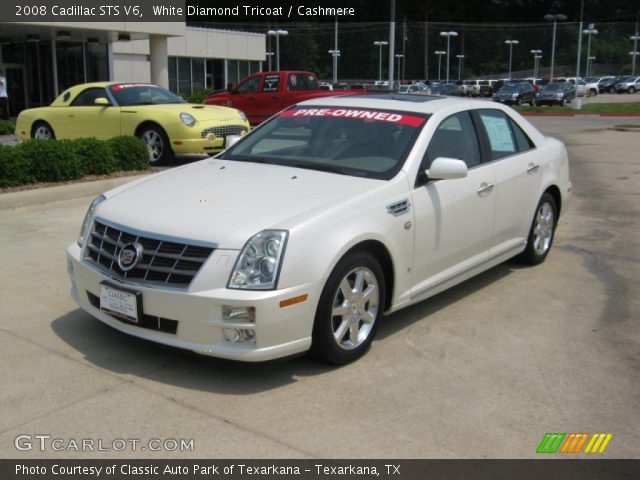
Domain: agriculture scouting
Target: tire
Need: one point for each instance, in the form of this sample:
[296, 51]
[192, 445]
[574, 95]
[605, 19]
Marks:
[632, 90]
[339, 318]
[157, 144]
[518, 102]
[542, 231]
[561, 102]
[42, 131]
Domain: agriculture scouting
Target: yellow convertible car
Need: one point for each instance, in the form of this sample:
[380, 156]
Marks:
[161, 119]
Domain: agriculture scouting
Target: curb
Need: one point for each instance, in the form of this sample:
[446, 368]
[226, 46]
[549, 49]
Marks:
[39, 196]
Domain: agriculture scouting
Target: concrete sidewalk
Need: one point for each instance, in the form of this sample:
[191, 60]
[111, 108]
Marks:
[45, 195]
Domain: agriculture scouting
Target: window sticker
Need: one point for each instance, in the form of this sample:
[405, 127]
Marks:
[271, 83]
[367, 115]
[499, 133]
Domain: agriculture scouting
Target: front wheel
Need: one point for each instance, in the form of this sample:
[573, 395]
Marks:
[542, 230]
[632, 90]
[157, 144]
[350, 306]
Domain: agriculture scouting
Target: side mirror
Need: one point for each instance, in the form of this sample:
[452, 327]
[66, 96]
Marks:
[443, 168]
[101, 101]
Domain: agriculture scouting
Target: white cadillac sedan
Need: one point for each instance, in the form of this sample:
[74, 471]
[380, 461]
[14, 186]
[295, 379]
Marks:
[303, 234]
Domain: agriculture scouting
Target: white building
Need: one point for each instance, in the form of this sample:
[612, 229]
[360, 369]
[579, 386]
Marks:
[42, 59]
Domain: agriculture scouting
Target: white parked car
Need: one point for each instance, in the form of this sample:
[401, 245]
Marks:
[309, 229]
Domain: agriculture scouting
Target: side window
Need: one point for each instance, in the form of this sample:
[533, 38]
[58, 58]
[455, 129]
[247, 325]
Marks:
[456, 138]
[501, 139]
[271, 83]
[524, 143]
[87, 97]
[250, 85]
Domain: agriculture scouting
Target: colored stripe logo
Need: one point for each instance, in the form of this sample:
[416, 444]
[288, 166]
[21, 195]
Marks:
[574, 442]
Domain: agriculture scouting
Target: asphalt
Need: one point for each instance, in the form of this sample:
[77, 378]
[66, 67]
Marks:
[481, 371]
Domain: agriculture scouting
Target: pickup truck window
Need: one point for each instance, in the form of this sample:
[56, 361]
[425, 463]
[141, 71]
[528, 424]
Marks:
[299, 81]
[271, 83]
[250, 85]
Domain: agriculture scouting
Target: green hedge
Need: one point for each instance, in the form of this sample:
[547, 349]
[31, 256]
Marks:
[60, 160]
[6, 127]
[198, 95]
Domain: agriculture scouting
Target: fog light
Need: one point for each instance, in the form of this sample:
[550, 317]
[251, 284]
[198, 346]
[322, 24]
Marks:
[240, 335]
[238, 314]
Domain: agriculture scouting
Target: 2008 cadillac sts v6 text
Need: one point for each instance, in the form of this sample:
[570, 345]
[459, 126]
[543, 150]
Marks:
[305, 232]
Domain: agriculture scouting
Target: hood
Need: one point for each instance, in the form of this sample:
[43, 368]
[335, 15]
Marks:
[200, 112]
[224, 203]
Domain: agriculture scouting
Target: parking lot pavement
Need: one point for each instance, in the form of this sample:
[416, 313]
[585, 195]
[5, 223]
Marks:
[483, 370]
[612, 98]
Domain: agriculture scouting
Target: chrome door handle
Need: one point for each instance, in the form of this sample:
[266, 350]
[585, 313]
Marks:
[485, 187]
[532, 167]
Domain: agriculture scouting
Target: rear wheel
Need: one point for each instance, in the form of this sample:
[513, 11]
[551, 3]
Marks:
[157, 144]
[350, 306]
[42, 131]
[632, 90]
[542, 231]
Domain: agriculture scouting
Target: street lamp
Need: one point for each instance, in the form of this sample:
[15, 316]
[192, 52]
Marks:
[277, 34]
[511, 43]
[635, 39]
[460, 58]
[448, 35]
[537, 55]
[335, 54]
[589, 31]
[269, 55]
[558, 17]
[399, 56]
[439, 53]
[590, 60]
[380, 43]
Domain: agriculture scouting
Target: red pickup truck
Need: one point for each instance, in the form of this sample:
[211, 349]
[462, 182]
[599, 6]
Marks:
[264, 94]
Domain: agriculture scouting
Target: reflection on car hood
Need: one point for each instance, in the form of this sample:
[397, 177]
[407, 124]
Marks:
[199, 112]
[226, 202]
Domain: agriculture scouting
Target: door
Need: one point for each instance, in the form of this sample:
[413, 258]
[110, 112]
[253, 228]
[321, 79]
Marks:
[245, 97]
[453, 218]
[83, 118]
[518, 177]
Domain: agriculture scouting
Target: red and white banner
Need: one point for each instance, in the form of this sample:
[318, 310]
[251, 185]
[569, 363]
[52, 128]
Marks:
[357, 114]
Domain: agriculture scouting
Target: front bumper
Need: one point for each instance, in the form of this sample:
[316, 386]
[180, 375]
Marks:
[548, 101]
[279, 332]
[197, 145]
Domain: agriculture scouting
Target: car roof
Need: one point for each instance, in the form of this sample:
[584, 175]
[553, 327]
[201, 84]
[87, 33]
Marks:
[405, 103]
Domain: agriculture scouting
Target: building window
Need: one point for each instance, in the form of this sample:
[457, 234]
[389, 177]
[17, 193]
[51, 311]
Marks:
[173, 78]
[197, 66]
[184, 76]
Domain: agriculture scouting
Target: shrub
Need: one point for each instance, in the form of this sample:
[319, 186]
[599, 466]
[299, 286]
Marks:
[15, 167]
[53, 161]
[130, 152]
[98, 157]
[60, 160]
[6, 127]
[198, 95]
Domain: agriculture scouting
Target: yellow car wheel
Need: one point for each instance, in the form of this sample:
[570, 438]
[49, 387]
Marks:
[42, 131]
[157, 144]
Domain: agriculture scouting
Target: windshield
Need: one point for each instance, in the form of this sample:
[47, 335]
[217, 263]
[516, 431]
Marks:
[510, 88]
[342, 140]
[127, 94]
[552, 87]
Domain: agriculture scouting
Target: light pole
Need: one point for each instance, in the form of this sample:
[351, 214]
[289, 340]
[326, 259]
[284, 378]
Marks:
[591, 32]
[448, 35]
[277, 34]
[590, 60]
[269, 55]
[460, 59]
[635, 39]
[439, 53]
[380, 44]
[511, 43]
[558, 17]
[335, 54]
[399, 56]
[537, 55]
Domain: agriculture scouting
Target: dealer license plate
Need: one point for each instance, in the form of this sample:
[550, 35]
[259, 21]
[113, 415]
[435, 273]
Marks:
[229, 140]
[119, 303]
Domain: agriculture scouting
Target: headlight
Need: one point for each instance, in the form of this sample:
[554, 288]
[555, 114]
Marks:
[515, 95]
[259, 262]
[559, 95]
[187, 119]
[243, 117]
[88, 218]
